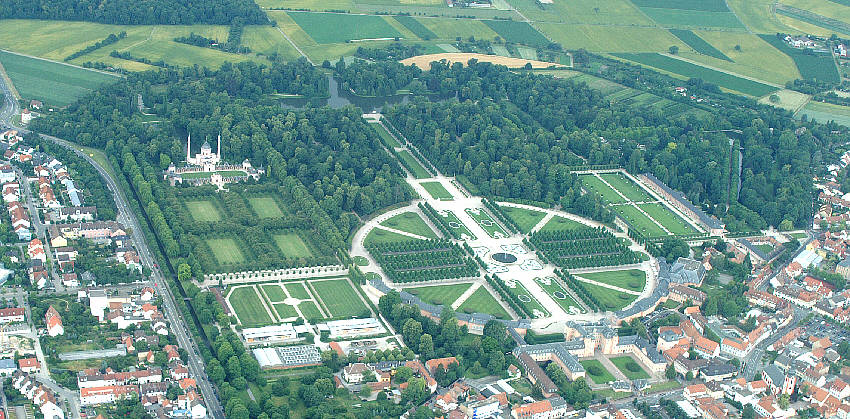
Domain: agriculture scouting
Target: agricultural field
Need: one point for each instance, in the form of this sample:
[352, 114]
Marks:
[525, 219]
[292, 245]
[672, 222]
[610, 300]
[811, 66]
[340, 299]
[526, 300]
[416, 27]
[698, 44]
[835, 9]
[804, 20]
[416, 169]
[379, 236]
[451, 29]
[248, 307]
[639, 221]
[297, 290]
[596, 371]
[599, 38]
[596, 186]
[517, 32]
[627, 187]
[487, 223]
[750, 56]
[410, 222]
[203, 210]
[266, 40]
[791, 100]
[226, 251]
[693, 18]
[330, 28]
[561, 223]
[386, 137]
[439, 294]
[437, 190]
[588, 12]
[629, 367]
[481, 301]
[826, 112]
[265, 206]
[559, 295]
[689, 70]
[630, 279]
[53, 83]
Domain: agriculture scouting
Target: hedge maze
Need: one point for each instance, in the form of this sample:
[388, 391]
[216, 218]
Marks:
[423, 260]
[587, 247]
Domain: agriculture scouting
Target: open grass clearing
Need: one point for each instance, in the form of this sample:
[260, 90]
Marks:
[203, 210]
[297, 290]
[265, 207]
[329, 28]
[410, 222]
[437, 190]
[525, 219]
[672, 222]
[226, 251]
[386, 137]
[611, 300]
[788, 99]
[589, 12]
[340, 298]
[824, 112]
[639, 221]
[292, 246]
[416, 169]
[274, 292]
[481, 301]
[249, 307]
[267, 40]
[560, 223]
[597, 187]
[630, 279]
[627, 187]
[703, 5]
[378, 235]
[596, 371]
[439, 294]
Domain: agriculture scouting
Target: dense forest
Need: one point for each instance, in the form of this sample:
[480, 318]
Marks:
[375, 79]
[137, 12]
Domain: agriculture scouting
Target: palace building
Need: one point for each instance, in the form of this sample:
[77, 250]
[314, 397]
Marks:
[207, 167]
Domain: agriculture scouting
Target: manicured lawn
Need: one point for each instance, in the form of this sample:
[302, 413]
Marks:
[698, 44]
[486, 222]
[439, 294]
[626, 187]
[249, 308]
[437, 190]
[274, 292]
[559, 295]
[819, 67]
[410, 222]
[517, 32]
[285, 310]
[668, 219]
[413, 165]
[329, 28]
[361, 261]
[203, 210]
[481, 301]
[340, 298]
[629, 367]
[525, 219]
[292, 245]
[457, 225]
[630, 279]
[310, 311]
[611, 300]
[639, 221]
[388, 139]
[526, 300]
[297, 290]
[593, 185]
[265, 207]
[561, 223]
[53, 83]
[378, 235]
[226, 251]
[596, 371]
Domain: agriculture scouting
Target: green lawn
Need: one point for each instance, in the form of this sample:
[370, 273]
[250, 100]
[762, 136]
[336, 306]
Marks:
[525, 219]
[639, 221]
[339, 298]
[248, 307]
[53, 83]
[203, 210]
[310, 311]
[670, 304]
[437, 190]
[226, 251]
[668, 219]
[457, 225]
[819, 67]
[486, 222]
[410, 222]
[413, 165]
[285, 310]
[265, 207]
[386, 137]
[593, 185]
[629, 367]
[663, 386]
[610, 300]
[378, 235]
[481, 301]
[561, 223]
[329, 28]
[526, 300]
[626, 187]
[596, 371]
[297, 290]
[274, 292]
[559, 295]
[630, 279]
[439, 294]
[292, 245]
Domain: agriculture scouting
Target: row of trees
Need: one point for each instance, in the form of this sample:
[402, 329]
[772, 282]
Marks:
[422, 260]
[585, 247]
[111, 39]
[580, 290]
[507, 296]
[496, 210]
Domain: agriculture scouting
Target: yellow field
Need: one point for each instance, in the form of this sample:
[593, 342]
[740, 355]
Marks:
[424, 61]
[617, 12]
[788, 99]
[756, 15]
[756, 58]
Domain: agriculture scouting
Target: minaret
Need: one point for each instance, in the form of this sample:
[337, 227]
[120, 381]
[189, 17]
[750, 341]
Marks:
[188, 147]
[218, 148]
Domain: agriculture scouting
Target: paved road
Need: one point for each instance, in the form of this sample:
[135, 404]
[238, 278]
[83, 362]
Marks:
[128, 218]
[752, 362]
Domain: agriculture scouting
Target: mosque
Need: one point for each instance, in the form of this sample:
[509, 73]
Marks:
[207, 167]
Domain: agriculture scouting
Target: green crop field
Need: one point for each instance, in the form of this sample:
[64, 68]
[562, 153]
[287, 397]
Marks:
[285, 310]
[274, 292]
[437, 190]
[517, 32]
[698, 44]
[591, 12]
[824, 112]
[267, 40]
[451, 29]
[561, 223]
[596, 371]
[53, 83]
[410, 222]
[668, 219]
[629, 367]
[611, 300]
[630, 279]
[639, 221]
[599, 38]
[705, 5]
[416, 27]
[559, 295]
[386, 137]
[297, 290]
[483, 219]
[225, 251]
[248, 307]
[525, 219]
[627, 187]
[439, 294]
[598, 187]
[481, 301]
[203, 210]
[340, 298]
[329, 28]
[310, 311]
[457, 225]
[265, 207]
[378, 235]
[292, 246]
[413, 165]
[686, 69]
[693, 18]
[753, 56]
[811, 66]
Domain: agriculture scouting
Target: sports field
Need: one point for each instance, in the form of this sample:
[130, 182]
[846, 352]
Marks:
[265, 207]
[559, 295]
[483, 219]
[339, 298]
[274, 292]
[225, 250]
[525, 219]
[826, 112]
[596, 371]
[631, 279]
[437, 190]
[686, 69]
[627, 187]
[329, 28]
[53, 83]
[599, 188]
[561, 223]
[457, 225]
[668, 219]
[811, 66]
[481, 301]
[610, 300]
[639, 221]
[410, 222]
[439, 294]
[297, 290]
[517, 32]
[292, 246]
[629, 367]
[526, 300]
[387, 139]
[248, 307]
[378, 235]
[203, 210]
[413, 165]
[310, 311]
[698, 44]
